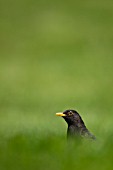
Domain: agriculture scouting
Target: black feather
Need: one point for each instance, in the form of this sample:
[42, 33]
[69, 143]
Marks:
[76, 126]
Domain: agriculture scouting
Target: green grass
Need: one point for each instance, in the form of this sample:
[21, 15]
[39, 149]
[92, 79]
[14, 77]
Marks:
[55, 56]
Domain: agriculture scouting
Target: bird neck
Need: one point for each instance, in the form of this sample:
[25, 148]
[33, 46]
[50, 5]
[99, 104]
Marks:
[77, 126]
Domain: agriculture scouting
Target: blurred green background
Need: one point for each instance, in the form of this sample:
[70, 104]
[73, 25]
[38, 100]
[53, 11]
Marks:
[55, 55]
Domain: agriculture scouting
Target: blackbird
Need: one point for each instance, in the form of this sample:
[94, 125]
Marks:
[76, 126]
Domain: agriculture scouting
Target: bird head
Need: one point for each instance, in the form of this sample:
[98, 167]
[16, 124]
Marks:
[72, 117]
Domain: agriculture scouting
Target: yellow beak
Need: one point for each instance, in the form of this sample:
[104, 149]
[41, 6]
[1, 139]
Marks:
[60, 114]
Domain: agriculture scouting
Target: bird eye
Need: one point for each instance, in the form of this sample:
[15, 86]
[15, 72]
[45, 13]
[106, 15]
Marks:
[70, 113]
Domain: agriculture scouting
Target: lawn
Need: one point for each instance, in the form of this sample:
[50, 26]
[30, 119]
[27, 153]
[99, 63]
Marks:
[55, 56]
